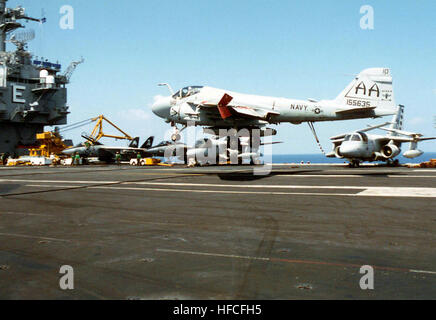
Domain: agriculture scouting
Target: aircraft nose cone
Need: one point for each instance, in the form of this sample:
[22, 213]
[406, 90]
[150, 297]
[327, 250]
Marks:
[349, 150]
[162, 107]
[68, 151]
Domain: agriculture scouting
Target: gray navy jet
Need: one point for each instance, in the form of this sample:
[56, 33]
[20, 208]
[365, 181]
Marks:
[107, 153]
[359, 146]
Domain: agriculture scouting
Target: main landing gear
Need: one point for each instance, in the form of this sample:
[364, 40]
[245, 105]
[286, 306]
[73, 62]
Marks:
[354, 164]
[394, 163]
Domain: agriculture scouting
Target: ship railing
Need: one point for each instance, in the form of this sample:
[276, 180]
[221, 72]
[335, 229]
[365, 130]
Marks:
[46, 86]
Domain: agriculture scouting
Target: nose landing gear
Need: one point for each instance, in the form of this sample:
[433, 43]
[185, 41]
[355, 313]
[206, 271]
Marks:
[175, 136]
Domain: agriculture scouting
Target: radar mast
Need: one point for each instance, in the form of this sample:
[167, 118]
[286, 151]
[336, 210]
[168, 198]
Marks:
[8, 21]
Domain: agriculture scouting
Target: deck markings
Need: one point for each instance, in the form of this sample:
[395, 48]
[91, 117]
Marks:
[353, 176]
[214, 254]
[292, 261]
[422, 271]
[364, 190]
[24, 214]
[271, 186]
[373, 191]
[198, 174]
[411, 192]
[48, 186]
[58, 181]
[220, 191]
[152, 222]
[15, 235]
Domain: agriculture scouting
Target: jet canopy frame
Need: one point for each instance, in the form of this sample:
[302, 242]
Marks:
[187, 91]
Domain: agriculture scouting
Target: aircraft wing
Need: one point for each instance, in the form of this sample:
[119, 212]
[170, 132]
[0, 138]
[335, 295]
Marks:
[115, 149]
[252, 112]
[369, 128]
[402, 132]
[402, 139]
[386, 139]
[228, 107]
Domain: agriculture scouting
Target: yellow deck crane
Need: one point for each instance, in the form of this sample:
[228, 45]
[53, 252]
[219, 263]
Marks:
[97, 133]
[51, 143]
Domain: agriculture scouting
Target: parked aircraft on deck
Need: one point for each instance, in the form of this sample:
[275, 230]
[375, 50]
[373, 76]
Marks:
[359, 146]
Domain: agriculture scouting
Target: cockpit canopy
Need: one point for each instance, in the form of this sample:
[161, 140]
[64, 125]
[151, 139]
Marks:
[187, 91]
[358, 136]
[162, 144]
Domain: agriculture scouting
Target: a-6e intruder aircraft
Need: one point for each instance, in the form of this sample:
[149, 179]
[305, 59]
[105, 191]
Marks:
[358, 146]
[369, 95]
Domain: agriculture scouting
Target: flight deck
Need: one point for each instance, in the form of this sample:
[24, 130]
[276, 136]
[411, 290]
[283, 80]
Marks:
[299, 232]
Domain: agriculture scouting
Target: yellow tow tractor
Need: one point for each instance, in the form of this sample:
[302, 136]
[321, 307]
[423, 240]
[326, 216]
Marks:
[48, 151]
[51, 146]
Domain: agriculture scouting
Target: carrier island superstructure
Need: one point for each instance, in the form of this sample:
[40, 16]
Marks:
[33, 92]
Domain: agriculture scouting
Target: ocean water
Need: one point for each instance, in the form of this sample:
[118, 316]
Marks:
[320, 158]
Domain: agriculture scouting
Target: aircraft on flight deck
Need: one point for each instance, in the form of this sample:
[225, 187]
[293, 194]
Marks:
[107, 153]
[369, 95]
[359, 146]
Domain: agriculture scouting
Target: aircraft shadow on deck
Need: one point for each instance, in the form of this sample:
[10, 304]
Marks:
[249, 175]
[7, 188]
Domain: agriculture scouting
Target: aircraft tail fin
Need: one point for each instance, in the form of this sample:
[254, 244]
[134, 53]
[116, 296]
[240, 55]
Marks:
[370, 90]
[134, 143]
[397, 119]
[148, 143]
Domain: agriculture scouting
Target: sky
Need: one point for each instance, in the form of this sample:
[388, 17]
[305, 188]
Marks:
[292, 49]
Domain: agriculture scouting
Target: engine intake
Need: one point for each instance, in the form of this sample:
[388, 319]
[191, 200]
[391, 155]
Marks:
[390, 151]
[338, 153]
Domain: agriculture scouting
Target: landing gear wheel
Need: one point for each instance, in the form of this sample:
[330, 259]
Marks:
[354, 164]
[396, 163]
[192, 163]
